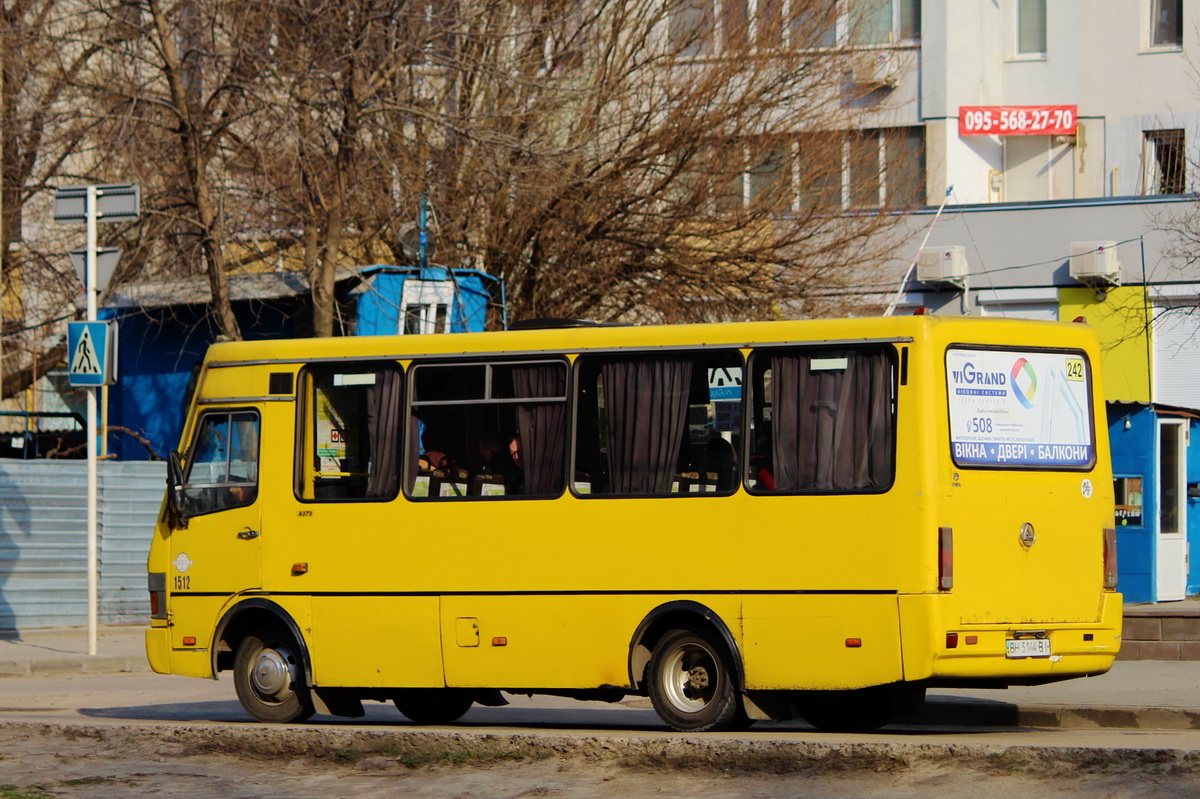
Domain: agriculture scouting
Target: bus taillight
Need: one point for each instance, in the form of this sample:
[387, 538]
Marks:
[1110, 559]
[158, 595]
[945, 558]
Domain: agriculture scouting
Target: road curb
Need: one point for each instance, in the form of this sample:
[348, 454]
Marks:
[940, 711]
[81, 664]
[407, 748]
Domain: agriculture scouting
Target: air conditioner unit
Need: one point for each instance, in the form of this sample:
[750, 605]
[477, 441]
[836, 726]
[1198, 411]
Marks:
[942, 265]
[1095, 263]
[880, 68]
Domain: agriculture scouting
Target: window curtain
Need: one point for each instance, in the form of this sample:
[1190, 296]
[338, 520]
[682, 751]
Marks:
[646, 402]
[832, 427]
[384, 406]
[542, 426]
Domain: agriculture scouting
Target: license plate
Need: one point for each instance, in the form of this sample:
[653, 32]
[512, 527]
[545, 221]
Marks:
[1027, 648]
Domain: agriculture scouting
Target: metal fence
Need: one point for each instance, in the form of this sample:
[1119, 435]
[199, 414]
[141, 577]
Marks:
[43, 541]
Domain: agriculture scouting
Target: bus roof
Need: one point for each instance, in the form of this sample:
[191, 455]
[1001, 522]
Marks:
[575, 339]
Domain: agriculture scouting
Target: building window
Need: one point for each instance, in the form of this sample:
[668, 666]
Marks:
[1031, 27]
[691, 28]
[700, 27]
[1165, 162]
[872, 168]
[826, 171]
[883, 21]
[425, 307]
[1166, 23]
[761, 175]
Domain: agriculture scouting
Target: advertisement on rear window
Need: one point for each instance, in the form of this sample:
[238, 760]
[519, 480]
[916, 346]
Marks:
[1019, 409]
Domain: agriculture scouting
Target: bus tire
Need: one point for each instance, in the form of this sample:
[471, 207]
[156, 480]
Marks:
[433, 705]
[268, 675]
[691, 683]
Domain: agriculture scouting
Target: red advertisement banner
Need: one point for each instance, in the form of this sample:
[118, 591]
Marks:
[1017, 120]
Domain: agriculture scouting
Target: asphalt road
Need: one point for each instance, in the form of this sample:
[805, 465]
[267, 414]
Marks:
[137, 735]
[151, 700]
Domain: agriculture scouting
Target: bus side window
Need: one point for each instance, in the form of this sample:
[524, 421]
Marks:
[489, 429]
[823, 420]
[223, 468]
[658, 423]
[351, 432]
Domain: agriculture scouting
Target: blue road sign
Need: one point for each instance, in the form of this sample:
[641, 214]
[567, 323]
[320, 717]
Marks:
[92, 353]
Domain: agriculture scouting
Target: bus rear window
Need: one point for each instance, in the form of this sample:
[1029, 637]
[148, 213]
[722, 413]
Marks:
[1023, 409]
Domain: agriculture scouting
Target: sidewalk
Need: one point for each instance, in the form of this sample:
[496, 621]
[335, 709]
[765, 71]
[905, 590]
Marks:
[1143, 694]
[62, 651]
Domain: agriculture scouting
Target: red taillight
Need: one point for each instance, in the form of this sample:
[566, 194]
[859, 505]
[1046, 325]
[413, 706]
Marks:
[154, 603]
[1110, 559]
[945, 558]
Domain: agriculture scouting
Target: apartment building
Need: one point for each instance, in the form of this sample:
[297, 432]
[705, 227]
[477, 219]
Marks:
[1060, 141]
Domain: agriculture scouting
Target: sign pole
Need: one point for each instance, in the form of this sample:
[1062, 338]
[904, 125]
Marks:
[94, 366]
[90, 288]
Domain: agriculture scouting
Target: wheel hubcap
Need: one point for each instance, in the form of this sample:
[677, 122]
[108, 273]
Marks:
[690, 679]
[272, 674]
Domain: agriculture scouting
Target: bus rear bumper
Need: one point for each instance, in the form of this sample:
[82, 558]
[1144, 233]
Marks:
[1016, 654]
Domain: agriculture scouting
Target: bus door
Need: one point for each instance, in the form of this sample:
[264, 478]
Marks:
[217, 554]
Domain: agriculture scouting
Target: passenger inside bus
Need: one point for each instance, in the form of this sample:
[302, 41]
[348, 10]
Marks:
[496, 463]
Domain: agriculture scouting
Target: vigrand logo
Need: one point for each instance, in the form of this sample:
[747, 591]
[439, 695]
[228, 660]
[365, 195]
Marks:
[972, 381]
[968, 375]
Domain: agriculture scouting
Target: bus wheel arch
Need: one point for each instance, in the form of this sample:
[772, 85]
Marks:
[680, 615]
[244, 619]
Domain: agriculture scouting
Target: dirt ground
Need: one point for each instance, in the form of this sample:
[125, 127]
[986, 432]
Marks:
[38, 762]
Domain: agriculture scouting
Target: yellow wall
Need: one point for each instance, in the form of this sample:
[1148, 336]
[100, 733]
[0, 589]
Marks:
[1121, 319]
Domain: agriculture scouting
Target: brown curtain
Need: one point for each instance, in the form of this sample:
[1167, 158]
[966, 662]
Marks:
[384, 405]
[646, 401]
[542, 426]
[832, 427]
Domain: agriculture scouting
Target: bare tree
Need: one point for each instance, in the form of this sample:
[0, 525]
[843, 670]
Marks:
[176, 101]
[44, 46]
[638, 158]
[612, 159]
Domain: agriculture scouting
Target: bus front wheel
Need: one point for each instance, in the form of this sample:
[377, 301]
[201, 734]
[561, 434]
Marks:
[691, 683]
[268, 674]
[433, 705]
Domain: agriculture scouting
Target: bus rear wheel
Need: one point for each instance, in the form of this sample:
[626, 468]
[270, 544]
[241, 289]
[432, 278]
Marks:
[268, 674]
[433, 705]
[691, 684]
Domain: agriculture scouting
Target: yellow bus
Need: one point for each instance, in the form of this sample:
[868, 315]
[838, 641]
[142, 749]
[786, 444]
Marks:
[816, 519]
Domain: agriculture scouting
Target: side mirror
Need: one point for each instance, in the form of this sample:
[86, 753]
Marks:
[176, 497]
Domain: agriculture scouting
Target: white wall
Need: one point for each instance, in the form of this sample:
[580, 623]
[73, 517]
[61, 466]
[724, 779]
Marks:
[1097, 58]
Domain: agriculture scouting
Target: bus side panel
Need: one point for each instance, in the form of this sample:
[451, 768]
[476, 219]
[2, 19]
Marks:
[807, 642]
[202, 613]
[549, 641]
[375, 642]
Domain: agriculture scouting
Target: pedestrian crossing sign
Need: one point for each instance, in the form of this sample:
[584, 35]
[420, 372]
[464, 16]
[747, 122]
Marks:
[92, 353]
